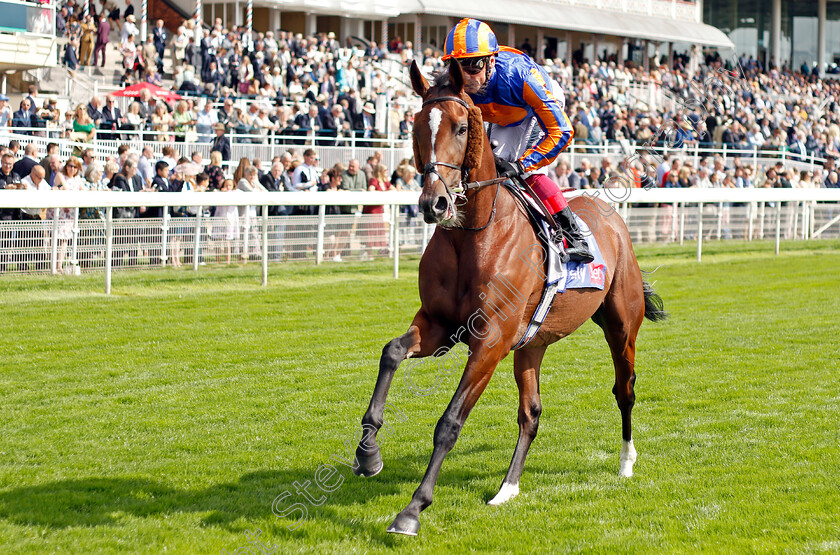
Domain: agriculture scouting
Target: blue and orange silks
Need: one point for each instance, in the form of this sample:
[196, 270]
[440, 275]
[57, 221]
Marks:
[519, 89]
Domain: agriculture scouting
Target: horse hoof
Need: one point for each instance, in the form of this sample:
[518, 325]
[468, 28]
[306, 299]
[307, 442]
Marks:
[405, 525]
[369, 466]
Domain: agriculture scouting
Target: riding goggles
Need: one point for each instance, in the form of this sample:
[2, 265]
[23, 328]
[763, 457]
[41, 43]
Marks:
[474, 66]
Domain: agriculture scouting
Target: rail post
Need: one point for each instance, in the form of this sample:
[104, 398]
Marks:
[265, 246]
[751, 208]
[319, 247]
[804, 219]
[778, 224]
[54, 249]
[197, 238]
[74, 252]
[395, 226]
[164, 236]
[109, 247]
[699, 231]
[674, 214]
[246, 243]
[762, 210]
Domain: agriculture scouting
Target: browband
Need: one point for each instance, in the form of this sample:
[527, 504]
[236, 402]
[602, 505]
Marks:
[445, 99]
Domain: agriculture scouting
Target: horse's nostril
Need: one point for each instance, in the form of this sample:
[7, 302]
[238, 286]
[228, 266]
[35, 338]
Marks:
[441, 205]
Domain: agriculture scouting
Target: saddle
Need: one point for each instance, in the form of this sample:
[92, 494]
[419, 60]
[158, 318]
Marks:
[559, 275]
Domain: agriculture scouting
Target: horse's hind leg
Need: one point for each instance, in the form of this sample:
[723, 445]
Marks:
[526, 369]
[621, 317]
[423, 337]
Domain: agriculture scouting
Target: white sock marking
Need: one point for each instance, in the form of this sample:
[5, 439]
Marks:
[628, 458]
[506, 493]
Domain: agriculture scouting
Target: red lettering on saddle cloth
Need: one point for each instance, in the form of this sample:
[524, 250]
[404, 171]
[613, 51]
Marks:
[596, 274]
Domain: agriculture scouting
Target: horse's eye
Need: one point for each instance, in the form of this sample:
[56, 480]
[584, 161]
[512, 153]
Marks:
[462, 130]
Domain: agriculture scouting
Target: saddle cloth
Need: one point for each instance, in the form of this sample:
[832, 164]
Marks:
[560, 276]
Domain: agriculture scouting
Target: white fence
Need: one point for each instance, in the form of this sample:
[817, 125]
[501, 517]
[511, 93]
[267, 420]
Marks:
[64, 242]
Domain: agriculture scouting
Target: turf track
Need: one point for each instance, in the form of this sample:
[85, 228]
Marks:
[167, 417]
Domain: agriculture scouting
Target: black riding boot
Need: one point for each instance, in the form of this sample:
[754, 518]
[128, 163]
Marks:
[577, 249]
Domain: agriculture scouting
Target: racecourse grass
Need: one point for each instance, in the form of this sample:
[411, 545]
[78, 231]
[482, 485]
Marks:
[168, 416]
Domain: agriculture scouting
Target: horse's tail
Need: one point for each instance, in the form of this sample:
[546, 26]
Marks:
[654, 307]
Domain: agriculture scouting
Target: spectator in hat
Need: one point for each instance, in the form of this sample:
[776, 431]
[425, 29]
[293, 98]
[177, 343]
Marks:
[129, 29]
[221, 143]
[366, 121]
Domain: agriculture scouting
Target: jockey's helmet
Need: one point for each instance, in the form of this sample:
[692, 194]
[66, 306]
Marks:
[470, 38]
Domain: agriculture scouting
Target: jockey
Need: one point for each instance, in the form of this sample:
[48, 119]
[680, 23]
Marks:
[524, 108]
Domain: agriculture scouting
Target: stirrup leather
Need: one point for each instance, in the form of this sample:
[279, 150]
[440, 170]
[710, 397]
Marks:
[557, 240]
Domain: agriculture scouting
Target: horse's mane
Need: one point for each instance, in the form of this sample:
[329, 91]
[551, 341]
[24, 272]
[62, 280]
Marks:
[440, 78]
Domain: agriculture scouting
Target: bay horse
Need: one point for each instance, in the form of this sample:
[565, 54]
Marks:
[477, 286]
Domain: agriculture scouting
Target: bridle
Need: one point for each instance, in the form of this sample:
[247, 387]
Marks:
[458, 192]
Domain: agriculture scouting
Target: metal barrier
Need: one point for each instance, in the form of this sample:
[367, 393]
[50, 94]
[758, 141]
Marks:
[68, 245]
[241, 232]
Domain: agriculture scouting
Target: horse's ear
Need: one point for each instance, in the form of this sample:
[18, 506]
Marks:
[456, 75]
[475, 139]
[418, 160]
[418, 82]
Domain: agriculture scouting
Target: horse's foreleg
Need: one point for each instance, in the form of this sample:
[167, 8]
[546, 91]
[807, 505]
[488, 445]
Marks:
[526, 369]
[480, 367]
[421, 339]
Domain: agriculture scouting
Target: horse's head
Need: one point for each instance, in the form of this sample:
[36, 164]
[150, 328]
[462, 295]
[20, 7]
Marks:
[448, 141]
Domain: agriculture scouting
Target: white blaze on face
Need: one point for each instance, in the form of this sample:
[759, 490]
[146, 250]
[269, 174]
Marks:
[435, 115]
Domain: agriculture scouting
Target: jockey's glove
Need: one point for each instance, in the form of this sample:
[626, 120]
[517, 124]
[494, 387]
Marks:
[509, 169]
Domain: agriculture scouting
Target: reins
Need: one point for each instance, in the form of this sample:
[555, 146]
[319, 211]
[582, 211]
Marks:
[459, 191]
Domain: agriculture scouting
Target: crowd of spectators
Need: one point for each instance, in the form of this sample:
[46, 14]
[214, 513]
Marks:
[298, 85]
[315, 84]
[292, 170]
[737, 104]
